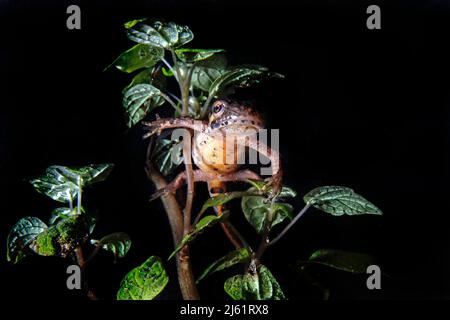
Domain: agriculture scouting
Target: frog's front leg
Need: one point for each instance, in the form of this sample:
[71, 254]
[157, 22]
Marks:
[276, 179]
[200, 175]
[168, 123]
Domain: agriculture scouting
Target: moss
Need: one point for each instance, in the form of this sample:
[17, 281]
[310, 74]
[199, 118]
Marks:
[63, 238]
[46, 244]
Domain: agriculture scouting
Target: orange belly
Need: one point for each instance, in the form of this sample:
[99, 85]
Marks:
[216, 154]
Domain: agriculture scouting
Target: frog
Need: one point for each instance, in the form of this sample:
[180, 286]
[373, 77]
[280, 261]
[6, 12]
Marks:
[219, 147]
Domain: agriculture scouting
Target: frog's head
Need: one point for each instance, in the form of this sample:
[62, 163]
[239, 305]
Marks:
[234, 117]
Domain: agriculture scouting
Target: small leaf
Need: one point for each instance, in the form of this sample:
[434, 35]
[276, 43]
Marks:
[339, 201]
[132, 23]
[137, 57]
[118, 243]
[206, 71]
[61, 183]
[153, 76]
[256, 211]
[167, 73]
[168, 155]
[189, 55]
[93, 173]
[21, 236]
[204, 223]
[223, 198]
[62, 238]
[144, 282]
[342, 260]
[269, 287]
[167, 35]
[261, 185]
[59, 214]
[238, 256]
[243, 287]
[258, 286]
[139, 100]
[242, 76]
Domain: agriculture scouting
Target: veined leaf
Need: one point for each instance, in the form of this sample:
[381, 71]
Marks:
[61, 183]
[243, 287]
[151, 76]
[118, 243]
[59, 214]
[223, 198]
[21, 236]
[160, 34]
[262, 186]
[256, 211]
[339, 201]
[342, 260]
[140, 100]
[144, 282]
[242, 76]
[257, 286]
[204, 223]
[137, 57]
[189, 55]
[206, 71]
[168, 155]
[238, 256]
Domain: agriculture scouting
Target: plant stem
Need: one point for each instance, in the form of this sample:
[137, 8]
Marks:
[184, 83]
[82, 263]
[205, 106]
[265, 237]
[169, 100]
[282, 233]
[185, 276]
[79, 196]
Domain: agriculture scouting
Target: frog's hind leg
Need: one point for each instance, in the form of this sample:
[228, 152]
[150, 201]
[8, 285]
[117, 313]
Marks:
[200, 175]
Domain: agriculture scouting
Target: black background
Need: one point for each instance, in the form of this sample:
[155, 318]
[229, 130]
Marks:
[362, 108]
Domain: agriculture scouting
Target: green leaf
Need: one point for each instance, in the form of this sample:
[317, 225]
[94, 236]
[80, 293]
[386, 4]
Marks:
[269, 287]
[238, 256]
[242, 76]
[223, 198]
[153, 76]
[132, 23]
[59, 214]
[339, 201]
[256, 211]
[144, 282]
[206, 71]
[167, 73]
[139, 100]
[199, 228]
[262, 186]
[118, 243]
[189, 55]
[62, 238]
[168, 155]
[254, 286]
[167, 35]
[138, 57]
[61, 183]
[21, 236]
[342, 260]
[243, 287]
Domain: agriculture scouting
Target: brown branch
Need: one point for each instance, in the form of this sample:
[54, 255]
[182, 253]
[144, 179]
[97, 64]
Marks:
[82, 264]
[185, 276]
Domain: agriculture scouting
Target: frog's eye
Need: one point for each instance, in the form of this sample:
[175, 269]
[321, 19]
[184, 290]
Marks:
[217, 108]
